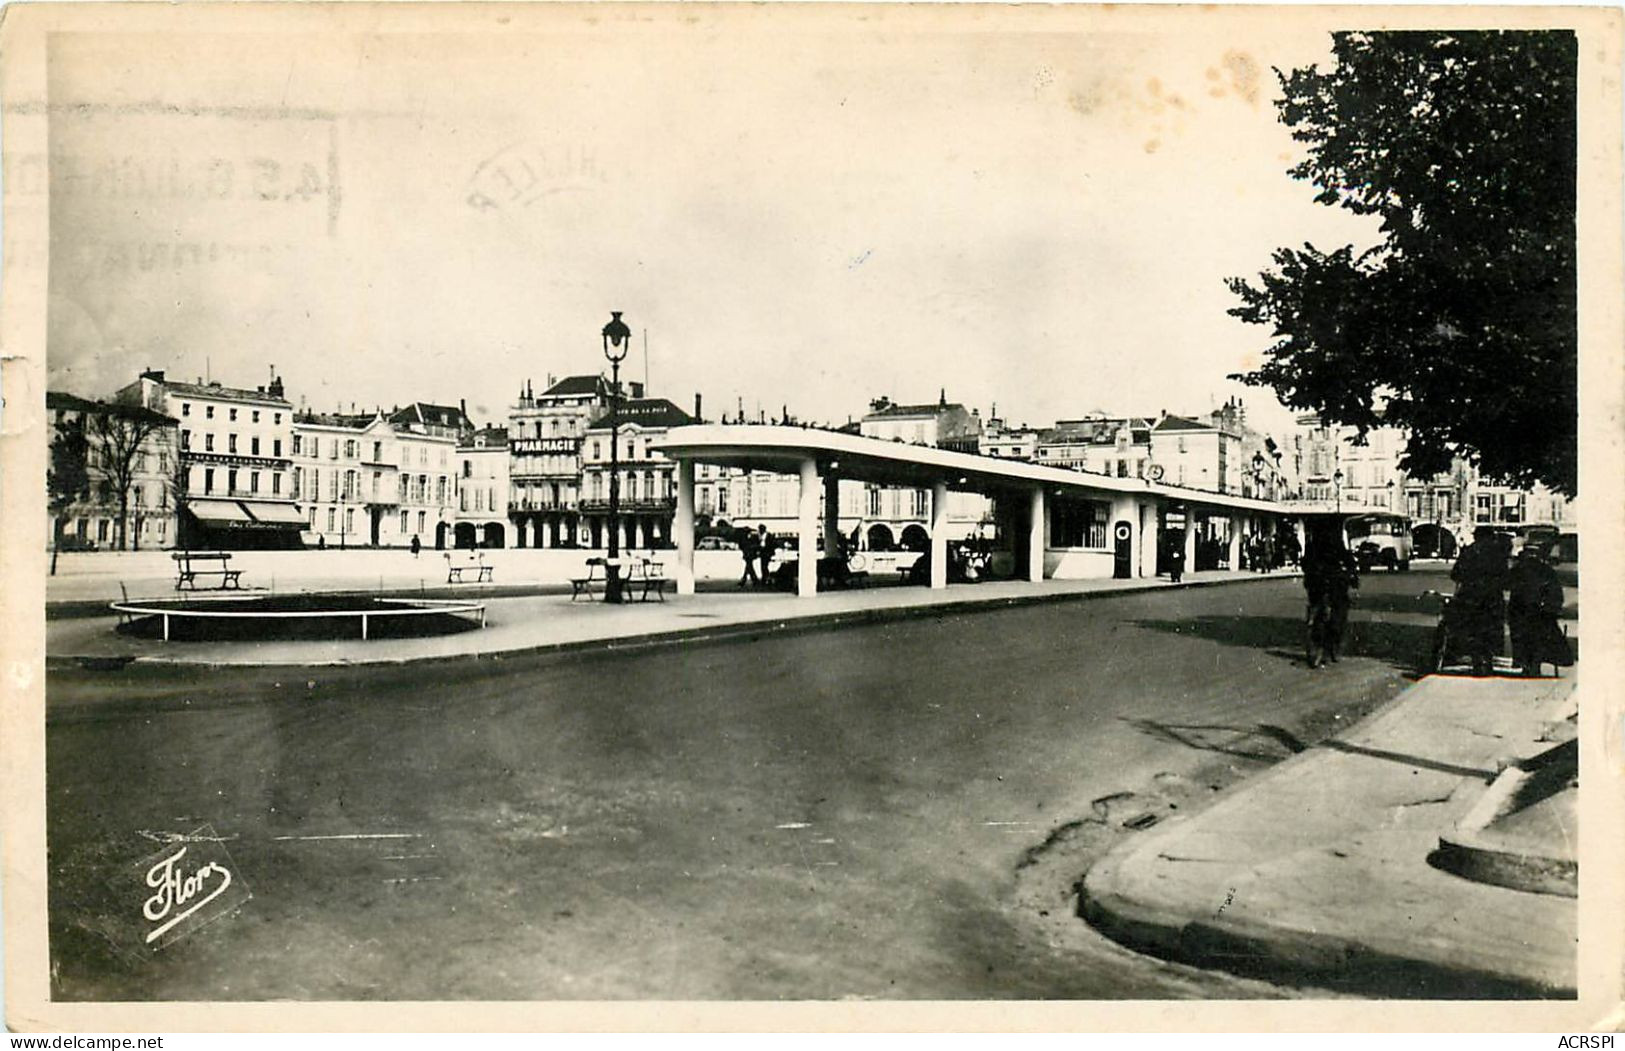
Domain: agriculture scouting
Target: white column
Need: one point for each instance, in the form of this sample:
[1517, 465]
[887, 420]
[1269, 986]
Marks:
[1125, 508]
[1149, 537]
[1035, 538]
[1190, 539]
[832, 516]
[1236, 524]
[683, 526]
[807, 533]
[939, 535]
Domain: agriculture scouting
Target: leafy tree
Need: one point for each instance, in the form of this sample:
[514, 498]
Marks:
[67, 479]
[120, 434]
[1460, 325]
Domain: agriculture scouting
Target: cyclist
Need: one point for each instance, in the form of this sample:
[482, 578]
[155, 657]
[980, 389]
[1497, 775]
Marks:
[1329, 572]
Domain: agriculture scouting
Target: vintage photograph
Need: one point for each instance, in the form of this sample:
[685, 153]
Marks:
[706, 503]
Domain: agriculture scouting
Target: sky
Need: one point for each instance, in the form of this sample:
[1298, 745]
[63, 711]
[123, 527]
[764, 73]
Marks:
[806, 209]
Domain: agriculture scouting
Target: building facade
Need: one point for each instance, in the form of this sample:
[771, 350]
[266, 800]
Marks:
[365, 482]
[648, 494]
[129, 472]
[482, 489]
[234, 479]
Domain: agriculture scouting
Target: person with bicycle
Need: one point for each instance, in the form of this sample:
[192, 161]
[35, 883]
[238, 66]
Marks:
[1329, 575]
[1478, 608]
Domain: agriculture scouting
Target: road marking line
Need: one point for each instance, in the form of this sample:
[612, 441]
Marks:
[795, 824]
[357, 835]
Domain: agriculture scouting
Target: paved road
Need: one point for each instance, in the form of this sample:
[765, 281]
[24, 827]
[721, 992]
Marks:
[892, 811]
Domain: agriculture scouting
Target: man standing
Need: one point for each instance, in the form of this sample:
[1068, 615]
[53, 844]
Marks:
[1176, 557]
[1329, 573]
[748, 548]
[767, 545]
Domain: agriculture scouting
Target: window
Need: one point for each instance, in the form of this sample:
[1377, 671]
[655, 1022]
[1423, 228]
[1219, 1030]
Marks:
[208, 412]
[277, 418]
[1182, 445]
[349, 519]
[296, 445]
[595, 450]
[276, 447]
[186, 439]
[332, 519]
[256, 415]
[231, 443]
[186, 408]
[377, 452]
[333, 450]
[232, 414]
[208, 443]
[421, 520]
[1079, 524]
[405, 520]
[101, 529]
[231, 481]
[208, 480]
[135, 496]
[276, 482]
[254, 446]
[253, 481]
[312, 519]
[349, 449]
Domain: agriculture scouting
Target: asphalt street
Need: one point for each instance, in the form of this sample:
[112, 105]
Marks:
[893, 811]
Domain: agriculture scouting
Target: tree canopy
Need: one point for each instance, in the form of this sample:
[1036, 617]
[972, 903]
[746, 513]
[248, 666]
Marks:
[1460, 326]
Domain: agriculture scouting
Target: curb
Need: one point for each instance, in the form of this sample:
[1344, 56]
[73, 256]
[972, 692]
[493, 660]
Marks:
[1261, 950]
[653, 640]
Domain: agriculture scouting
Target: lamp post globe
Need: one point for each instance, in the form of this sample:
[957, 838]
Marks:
[617, 341]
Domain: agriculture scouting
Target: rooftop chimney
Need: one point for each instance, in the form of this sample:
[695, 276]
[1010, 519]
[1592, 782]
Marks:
[697, 417]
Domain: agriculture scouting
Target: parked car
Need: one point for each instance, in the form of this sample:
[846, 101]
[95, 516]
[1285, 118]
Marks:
[715, 543]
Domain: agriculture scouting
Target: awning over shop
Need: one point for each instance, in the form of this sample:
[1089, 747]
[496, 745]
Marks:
[217, 511]
[275, 514]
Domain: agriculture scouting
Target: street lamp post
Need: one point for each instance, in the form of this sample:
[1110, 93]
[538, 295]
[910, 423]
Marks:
[617, 341]
[1337, 489]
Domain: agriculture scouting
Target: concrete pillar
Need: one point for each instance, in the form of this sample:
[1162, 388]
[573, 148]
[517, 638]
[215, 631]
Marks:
[832, 516]
[1237, 523]
[939, 535]
[807, 531]
[1150, 537]
[684, 527]
[1036, 529]
[1190, 539]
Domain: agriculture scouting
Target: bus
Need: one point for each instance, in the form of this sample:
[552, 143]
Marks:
[1380, 539]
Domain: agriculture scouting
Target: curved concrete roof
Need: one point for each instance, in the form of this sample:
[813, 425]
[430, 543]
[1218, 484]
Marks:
[781, 448]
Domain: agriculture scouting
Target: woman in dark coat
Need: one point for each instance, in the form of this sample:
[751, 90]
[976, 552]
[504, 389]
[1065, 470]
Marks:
[1533, 607]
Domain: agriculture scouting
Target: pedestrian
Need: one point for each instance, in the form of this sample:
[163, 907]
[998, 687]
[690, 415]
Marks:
[749, 546]
[417, 545]
[1330, 574]
[1479, 605]
[767, 547]
[321, 542]
[1533, 606]
[1176, 558]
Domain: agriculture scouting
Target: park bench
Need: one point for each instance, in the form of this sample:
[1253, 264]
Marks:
[190, 565]
[646, 577]
[456, 571]
[593, 580]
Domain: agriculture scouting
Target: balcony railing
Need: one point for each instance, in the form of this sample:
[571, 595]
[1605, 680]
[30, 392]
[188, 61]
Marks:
[541, 505]
[641, 503]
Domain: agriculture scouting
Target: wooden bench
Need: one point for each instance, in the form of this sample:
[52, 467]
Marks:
[647, 575]
[190, 565]
[593, 580]
[481, 571]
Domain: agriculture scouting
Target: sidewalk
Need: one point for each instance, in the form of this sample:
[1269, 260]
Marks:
[1318, 869]
[553, 622]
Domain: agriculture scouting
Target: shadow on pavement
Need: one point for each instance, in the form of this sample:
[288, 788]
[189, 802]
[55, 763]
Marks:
[1243, 742]
[1400, 645]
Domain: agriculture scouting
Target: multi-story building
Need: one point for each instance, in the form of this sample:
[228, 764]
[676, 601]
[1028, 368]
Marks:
[234, 460]
[945, 424]
[648, 493]
[1007, 442]
[1118, 446]
[482, 489]
[545, 432]
[366, 482]
[128, 497]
